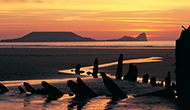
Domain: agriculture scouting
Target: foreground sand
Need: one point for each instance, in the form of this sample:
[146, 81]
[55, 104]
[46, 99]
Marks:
[12, 100]
[42, 63]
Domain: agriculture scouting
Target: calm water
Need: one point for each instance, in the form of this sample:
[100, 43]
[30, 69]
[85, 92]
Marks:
[112, 44]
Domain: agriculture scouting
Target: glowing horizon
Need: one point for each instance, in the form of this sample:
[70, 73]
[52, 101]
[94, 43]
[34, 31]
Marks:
[160, 20]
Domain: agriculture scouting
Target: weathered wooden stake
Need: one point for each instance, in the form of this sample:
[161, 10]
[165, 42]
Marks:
[119, 67]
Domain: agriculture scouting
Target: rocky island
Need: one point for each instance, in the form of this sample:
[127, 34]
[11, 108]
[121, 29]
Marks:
[49, 37]
[141, 37]
[66, 37]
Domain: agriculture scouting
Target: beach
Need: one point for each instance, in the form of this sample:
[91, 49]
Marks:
[43, 63]
[38, 64]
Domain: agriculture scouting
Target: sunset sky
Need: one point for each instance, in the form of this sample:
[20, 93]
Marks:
[98, 19]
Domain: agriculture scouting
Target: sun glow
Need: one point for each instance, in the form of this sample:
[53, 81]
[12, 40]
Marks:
[84, 15]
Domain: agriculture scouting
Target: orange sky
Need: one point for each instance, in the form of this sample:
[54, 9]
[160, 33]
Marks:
[98, 19]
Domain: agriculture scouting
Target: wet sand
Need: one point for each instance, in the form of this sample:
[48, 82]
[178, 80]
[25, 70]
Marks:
[43, 63]
[34, 65]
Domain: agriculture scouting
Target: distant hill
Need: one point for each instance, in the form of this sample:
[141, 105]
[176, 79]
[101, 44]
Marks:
[66, 37]
[141, 37]
[49, 37]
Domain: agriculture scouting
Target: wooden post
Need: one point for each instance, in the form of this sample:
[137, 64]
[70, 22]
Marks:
[95, 69]
[119, 67]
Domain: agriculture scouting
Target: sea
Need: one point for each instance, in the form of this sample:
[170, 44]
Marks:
[94, 44]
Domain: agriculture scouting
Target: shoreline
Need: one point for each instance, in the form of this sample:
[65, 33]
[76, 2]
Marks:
[105, 45]
[12, 47]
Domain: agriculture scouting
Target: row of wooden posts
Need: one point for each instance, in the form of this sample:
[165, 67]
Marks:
[131, 74]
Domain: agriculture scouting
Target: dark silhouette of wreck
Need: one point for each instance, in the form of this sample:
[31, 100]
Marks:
[80, 89]
[29, 88]
[95, 69]
[119, 67]
[112, 87]
[132, 73]
[153, 81]
[168, 80]
[21, 89]
[167, 93]
[145, 78]
[182, 57]
[77, 69]
[52, 92]
[3, 89]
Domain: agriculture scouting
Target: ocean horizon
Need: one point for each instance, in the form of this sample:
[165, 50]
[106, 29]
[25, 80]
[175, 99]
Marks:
[95, 44]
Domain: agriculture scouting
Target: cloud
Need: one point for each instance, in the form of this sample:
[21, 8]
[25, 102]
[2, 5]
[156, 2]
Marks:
[20, 1]
[38, 1]
[14, 0]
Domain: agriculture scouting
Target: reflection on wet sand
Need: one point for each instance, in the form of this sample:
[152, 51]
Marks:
[90, 68]
[86, 69]
[111, 103]
[36, 81]
[140, 60]
[102, 103]
[77, 103]
[99, 103]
